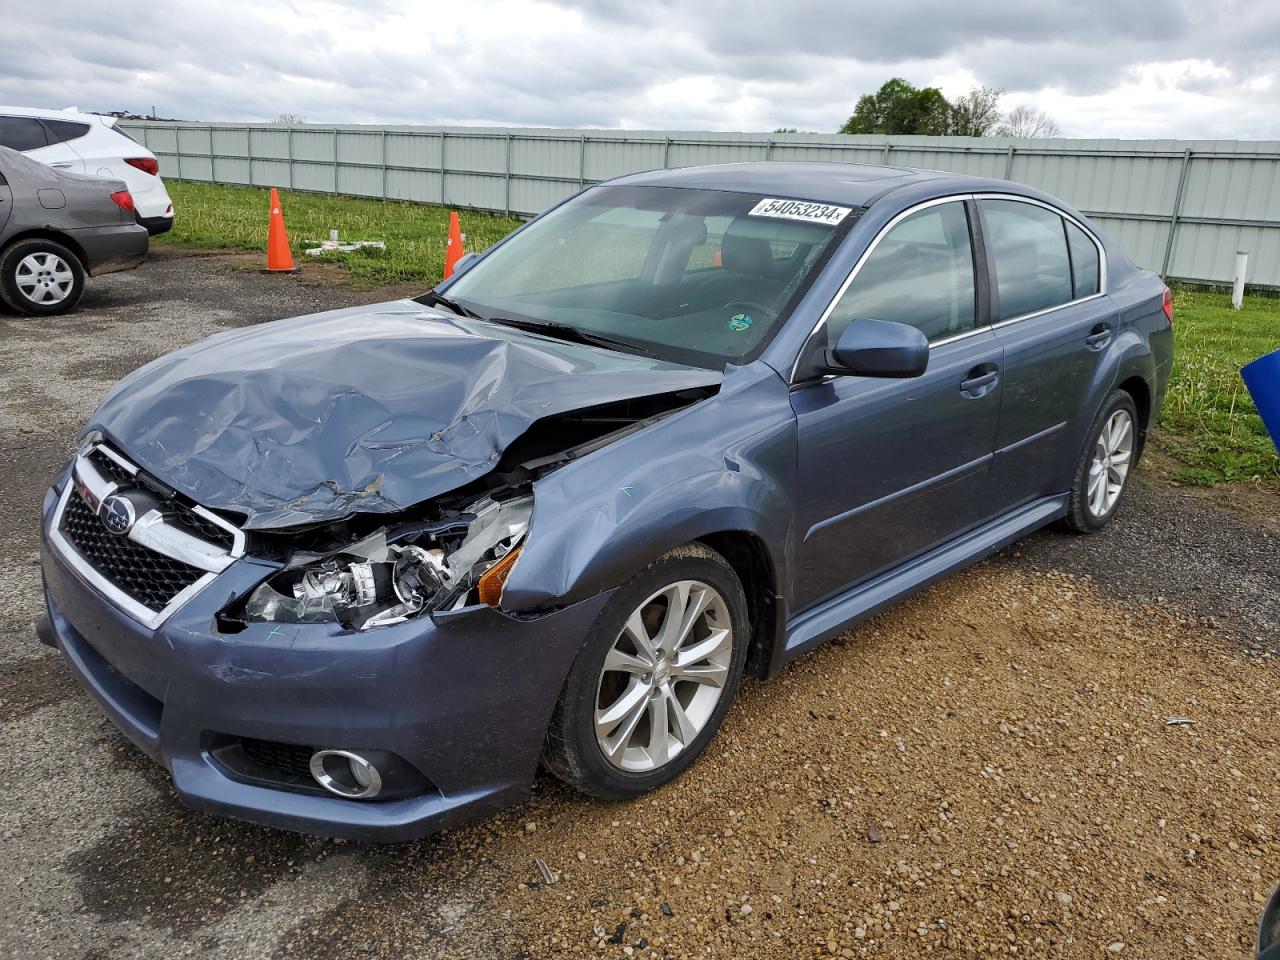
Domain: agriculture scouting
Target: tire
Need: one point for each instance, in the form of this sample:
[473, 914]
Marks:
[41, 278]
[1092, 507]
[575, 753]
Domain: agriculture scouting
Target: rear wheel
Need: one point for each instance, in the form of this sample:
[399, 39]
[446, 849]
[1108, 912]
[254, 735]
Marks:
[41, 277]
[654, 678]
[1105, 464]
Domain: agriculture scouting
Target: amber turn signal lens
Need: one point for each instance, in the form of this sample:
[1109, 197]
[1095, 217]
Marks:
[495, 578]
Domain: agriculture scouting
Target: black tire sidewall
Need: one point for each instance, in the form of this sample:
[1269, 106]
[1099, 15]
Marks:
[12, 296]
[1079, 517]
[573, 753]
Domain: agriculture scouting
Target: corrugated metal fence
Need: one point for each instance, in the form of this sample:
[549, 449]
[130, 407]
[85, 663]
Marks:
[1179, 207]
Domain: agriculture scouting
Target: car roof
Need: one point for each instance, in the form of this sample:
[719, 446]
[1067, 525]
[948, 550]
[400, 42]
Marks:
[69, 113]
[824, 181]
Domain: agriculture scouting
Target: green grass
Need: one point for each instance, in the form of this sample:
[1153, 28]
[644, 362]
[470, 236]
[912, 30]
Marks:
[1209, 420]
[220, 217]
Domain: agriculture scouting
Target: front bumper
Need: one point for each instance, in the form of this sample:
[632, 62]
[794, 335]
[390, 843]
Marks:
[465, 697]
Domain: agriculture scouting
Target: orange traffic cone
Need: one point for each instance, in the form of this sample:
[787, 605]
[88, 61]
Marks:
[279, 259]
[453, 248]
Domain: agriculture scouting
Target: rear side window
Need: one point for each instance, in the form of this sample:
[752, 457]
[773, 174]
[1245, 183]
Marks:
[60, 131]
[920, 274]
[22, 133]
[1084, 261]
[1029, 247]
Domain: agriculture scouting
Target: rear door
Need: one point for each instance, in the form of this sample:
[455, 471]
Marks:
[1055, 324]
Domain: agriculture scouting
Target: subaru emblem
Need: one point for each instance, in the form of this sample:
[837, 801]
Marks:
[117, 515]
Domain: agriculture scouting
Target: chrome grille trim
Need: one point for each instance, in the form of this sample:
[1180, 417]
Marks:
[151, 531]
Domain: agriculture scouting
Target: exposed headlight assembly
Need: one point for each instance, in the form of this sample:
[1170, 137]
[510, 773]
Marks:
[392, 576]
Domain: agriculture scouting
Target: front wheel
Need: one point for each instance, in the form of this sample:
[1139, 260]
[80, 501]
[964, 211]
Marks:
[1105, 463]
[654, 678]
[40, 277]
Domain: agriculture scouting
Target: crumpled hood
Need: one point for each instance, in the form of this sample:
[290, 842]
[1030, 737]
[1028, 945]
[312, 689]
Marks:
[363, 410]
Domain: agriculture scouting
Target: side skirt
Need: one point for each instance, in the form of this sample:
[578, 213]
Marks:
[832, 617]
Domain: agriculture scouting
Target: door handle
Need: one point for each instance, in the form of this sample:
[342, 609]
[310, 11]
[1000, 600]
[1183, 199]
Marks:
[61, 165]
[1099, 335]
[980, 378]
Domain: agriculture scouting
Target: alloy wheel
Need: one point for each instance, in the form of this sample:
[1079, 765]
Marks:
[1112, 456]
[44, 278]
[663, 676]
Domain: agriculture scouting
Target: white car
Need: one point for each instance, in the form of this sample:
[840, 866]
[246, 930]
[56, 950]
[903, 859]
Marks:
[91, 144]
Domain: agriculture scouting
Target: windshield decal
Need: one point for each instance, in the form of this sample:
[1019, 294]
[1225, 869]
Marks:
[802, 210]
[739, 322]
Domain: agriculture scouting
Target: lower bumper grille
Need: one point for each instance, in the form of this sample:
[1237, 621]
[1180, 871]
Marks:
[149, 577]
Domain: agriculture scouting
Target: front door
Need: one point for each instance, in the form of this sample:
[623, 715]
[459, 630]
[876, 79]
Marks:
[890, 468]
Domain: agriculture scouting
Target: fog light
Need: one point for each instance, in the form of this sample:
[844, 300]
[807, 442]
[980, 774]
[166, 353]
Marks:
[345, 773]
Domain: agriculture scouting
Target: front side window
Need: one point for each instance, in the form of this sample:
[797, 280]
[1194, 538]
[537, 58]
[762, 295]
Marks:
[703, 277]
[1029, 247]
[1084, 261]
[22, 133]
[920, 274]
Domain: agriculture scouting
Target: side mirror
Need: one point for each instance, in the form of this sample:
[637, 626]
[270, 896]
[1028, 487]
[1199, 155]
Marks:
[878, 348]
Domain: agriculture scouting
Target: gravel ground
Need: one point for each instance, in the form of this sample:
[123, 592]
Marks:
[985, 770]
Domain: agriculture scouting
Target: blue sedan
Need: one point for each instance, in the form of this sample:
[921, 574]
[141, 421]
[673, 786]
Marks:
[359, 573]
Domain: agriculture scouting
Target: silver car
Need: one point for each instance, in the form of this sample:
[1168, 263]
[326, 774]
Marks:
[57, 228]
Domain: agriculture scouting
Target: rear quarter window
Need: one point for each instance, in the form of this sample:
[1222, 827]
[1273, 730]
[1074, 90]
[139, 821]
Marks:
[60, 131]
[1084, 261]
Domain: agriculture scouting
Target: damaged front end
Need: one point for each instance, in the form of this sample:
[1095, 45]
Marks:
[398, 573]
[454, 551]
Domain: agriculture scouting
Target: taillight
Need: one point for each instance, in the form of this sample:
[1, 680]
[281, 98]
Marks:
[146, 164]
[124, 200]
[1167, 306]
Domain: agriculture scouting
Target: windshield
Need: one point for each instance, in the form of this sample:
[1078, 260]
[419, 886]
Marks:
[702, 277]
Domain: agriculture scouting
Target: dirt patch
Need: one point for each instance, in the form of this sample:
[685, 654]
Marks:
[985, 770]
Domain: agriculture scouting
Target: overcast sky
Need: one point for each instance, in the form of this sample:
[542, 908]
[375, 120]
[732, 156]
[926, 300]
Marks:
[1159, 68]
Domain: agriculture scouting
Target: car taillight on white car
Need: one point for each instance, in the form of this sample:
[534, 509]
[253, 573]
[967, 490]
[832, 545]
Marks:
[146, 164]
[124, 200]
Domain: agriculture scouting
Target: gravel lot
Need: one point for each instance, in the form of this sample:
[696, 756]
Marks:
[985, 770]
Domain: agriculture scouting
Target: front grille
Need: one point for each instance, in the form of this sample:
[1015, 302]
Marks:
[107, 466]
[149, 577]
[288, 761]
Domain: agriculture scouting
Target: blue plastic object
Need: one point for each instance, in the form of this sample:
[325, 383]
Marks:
[1262, 378]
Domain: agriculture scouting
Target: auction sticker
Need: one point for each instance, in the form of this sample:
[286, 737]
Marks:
[802, 210]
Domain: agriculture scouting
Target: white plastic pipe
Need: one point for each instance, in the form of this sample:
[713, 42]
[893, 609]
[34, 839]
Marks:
[1237, 288]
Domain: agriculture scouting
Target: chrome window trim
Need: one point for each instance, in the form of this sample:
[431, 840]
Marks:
[149, 531]
[952, 198]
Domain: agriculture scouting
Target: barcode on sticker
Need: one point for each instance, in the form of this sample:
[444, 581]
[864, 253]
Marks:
[800, 210]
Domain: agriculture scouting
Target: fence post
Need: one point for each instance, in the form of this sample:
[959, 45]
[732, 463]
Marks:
[384, 163]
[768, 149]
[507, 196]
[582, 161]
[1237, 285]
[1008, 163]
[1177, 209]
[334, 134]
[213, 160]
[884, 153]
[177, 147]
[250, 152]
[443, 166]
[666, 155]
[289, 149]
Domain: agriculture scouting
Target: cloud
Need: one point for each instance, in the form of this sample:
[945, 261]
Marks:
[1172, 68]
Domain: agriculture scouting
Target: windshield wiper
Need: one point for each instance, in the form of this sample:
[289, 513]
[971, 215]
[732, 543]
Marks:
[439, 299]
[563, 331]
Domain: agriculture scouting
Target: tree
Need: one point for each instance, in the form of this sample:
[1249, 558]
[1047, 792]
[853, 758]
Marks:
[287, 119]
[976, 113]
[900, 108]
[1025, 121]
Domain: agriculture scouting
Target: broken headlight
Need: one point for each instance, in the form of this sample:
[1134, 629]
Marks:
[396, 574]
